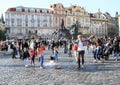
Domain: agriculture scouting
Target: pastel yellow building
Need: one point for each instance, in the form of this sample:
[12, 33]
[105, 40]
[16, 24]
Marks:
[78, 15]
[119, 23]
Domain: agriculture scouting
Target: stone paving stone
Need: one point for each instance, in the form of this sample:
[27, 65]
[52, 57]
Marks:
[13, 72]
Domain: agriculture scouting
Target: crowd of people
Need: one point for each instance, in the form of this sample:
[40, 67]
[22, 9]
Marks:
[101, 48]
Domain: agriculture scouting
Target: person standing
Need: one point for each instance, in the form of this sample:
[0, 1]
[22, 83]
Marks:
[98, 50]
[75, 48]
[13, 47]
[81, 52]
[32, 53]
[53, 44]
[26, 57]
[56, 53]
[41, 53]
[70, 45]
[65, 45]
[116, 48]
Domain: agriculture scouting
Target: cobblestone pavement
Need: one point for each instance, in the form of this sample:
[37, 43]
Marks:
[13, 72]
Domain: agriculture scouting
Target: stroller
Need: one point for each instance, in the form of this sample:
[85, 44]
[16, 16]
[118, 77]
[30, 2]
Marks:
[107, 51]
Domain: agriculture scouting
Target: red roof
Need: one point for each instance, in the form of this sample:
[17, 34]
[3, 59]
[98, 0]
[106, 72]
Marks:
[23, 10]
[12, 9]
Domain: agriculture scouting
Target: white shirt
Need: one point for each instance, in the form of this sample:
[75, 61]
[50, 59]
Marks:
[80, 46]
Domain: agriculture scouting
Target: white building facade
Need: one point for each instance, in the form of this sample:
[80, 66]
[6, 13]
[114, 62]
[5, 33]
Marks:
[98, 24]
[24, 21]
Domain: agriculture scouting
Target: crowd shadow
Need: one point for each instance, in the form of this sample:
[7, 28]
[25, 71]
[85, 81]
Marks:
[93, 67]
[69, 65]
[11, 65]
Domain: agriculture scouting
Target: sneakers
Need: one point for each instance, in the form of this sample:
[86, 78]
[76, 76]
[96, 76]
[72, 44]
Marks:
[26, 66]
[95, 61]
[82, 66]
[42, 67]
[99, 61]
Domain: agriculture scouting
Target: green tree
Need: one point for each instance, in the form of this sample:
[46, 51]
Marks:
[2, 19]
[2, 34]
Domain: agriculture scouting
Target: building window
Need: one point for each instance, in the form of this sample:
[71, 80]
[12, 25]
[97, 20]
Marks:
[26, 10]
[38, 25]
[45, 25]
[45, 11]
[19, 22]
[12, 22]
[56, 20]
[32, 19]
[38, 11]
[32, 10]
[26, 24]
[26, 17]
[36, 31]
[32, 16]
[38, 19]
[7, 22]
[18, 9]
[26, 31]
[69, 21]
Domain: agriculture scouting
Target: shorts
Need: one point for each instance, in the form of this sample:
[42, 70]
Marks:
[82, 52]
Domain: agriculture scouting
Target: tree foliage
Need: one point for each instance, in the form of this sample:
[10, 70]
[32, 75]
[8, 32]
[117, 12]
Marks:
[2, 34]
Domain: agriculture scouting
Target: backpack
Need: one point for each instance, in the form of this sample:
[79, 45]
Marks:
[75, 47]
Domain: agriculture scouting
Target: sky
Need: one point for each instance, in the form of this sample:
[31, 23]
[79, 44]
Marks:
[92, 6]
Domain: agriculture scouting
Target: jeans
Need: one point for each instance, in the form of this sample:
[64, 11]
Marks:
[65, 49]
[96, 54]
[80, 55]
[41, 61]
[116, 54]
[56, 57]
[26, 61]
[69, 53]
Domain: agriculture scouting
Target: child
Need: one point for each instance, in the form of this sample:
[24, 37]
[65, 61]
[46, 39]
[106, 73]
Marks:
[26, 57]
[41, 53]
[32, 56]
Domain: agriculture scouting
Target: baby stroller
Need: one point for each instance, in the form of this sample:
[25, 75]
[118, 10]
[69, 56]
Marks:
[107, 51]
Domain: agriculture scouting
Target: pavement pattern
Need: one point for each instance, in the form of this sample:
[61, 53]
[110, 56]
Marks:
[13, 71]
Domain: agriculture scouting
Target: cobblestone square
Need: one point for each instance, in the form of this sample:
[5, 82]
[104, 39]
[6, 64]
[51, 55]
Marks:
[13, 72]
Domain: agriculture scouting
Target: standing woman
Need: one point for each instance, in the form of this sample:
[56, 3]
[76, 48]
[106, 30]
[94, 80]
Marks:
[116, 47]
[26, 57]
[81, 52]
